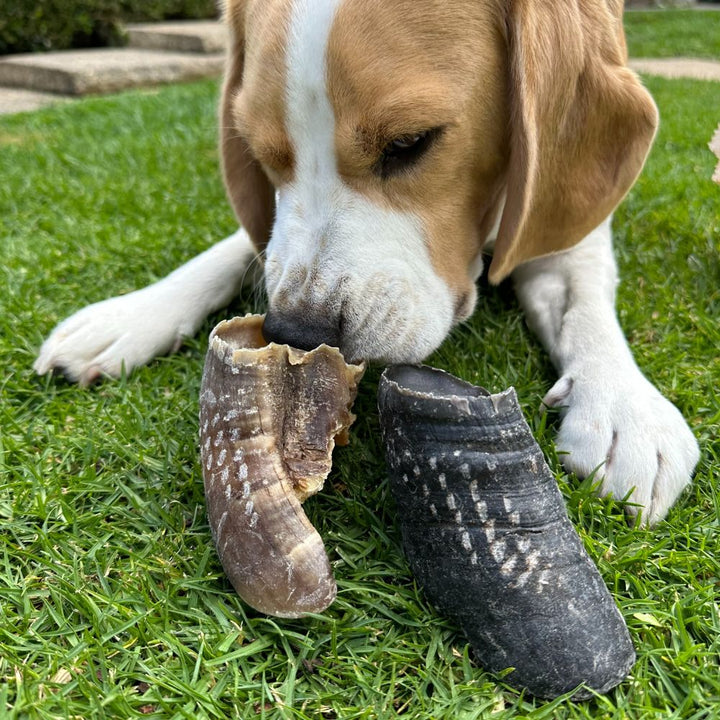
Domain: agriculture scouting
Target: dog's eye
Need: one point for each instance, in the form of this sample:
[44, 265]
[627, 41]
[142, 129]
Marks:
[406, 142]
[404, 151]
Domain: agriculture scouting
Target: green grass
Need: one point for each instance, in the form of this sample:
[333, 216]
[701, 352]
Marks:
[673, 33]
[112, 600]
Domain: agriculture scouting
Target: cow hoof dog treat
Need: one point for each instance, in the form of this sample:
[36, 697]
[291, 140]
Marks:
[486, 532]
[270, 416]
[483, 522]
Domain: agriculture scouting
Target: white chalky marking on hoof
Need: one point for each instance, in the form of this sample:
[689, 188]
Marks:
[450, 501]
[407, 453]
[465, 538]
[456, 453]
[465, 470]
[498, 550]
[523, 544]
[514, 518]
[531, 561]
[235, 434]
[205, 426]
[441, 480]
[481, 510]
[416, 471]
[215, 420]
[218, 438]
[491, 464]
[521, 579]
[490, 531]
[509, 565]
[474, 491]
[433, 510]
[508, 504]
[208, 461]
[458, 517]
[243, 471]
[228, 491]
[253, 520]
[474, 559]
[231, 415]
[208, 397]
[432, 462]
[543, 580]
[246, 490]
[238, 455]
[221, 457]
[406, 479]
[206, 445]
[221, 524]
[249, 507]
[426, 490]
[225, 474]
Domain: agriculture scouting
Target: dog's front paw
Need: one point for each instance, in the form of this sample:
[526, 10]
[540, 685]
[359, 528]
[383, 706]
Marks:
[99, 340]
[620, 426]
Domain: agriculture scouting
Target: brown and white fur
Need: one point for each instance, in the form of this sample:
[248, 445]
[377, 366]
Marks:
[373, 150]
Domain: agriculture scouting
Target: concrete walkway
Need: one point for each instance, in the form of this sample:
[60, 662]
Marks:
[157, 53]
[172, 52]
[678, 68]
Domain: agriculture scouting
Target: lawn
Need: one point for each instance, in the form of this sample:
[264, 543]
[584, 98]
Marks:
[112, 601]
[670, 33]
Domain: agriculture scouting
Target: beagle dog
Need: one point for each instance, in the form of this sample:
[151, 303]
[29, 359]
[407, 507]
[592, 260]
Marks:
[373, 150]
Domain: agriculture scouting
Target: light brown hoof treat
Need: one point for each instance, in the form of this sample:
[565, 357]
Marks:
[270, 416]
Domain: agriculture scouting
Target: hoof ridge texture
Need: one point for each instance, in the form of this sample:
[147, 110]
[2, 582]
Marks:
[487, 535]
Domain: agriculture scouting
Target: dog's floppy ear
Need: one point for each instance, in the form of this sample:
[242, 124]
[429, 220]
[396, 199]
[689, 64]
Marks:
[581, 126]
[251, 193]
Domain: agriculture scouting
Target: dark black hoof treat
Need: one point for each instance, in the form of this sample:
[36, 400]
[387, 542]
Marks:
[488, 538]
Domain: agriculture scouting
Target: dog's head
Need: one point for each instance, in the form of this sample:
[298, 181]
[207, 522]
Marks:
[372, 147]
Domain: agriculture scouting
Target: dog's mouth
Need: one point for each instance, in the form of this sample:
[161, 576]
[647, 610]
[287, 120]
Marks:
[387, 321]
[373, 308]
[382, 334]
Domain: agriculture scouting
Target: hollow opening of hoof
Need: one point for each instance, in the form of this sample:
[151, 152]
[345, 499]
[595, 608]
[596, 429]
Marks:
[424, 380]
[242, 333]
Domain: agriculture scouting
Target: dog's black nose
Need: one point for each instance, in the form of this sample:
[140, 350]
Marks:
[304, 332]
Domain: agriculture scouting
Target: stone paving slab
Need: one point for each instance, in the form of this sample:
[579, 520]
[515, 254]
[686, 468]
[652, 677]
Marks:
[82, 72]
[16, 100]
[187, 36]
[678, 68]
